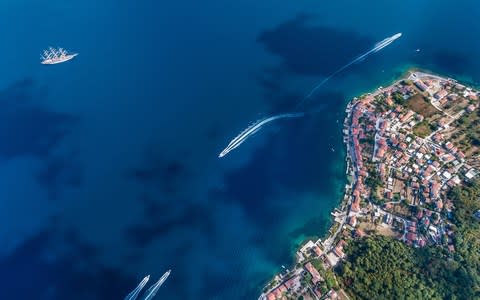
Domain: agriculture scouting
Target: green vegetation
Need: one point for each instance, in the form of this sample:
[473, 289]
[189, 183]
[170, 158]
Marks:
[398, 98]
[307, 279]
[374, 181]
[381, 104]
[419, 104]
[317, 264]
[375, 198]
[468, 135]
[383, 268]
[423, 129]
[396, 197]
[368, 139]
[467, 241]
[330, 280]
[328, 275]
[270, 285]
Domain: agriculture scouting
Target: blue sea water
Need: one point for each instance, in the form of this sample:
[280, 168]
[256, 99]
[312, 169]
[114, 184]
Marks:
[108, 163]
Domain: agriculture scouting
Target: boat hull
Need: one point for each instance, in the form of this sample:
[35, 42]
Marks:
[59, 61]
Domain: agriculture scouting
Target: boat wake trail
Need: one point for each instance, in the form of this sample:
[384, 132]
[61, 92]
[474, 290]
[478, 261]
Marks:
[252, 129]
[134, 294]
[151, 292]
[377, 47]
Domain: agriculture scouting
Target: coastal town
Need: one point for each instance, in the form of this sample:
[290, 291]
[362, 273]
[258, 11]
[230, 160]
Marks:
[408, 145]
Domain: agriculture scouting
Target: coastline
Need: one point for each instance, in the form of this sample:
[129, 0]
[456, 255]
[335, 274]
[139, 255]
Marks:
[339, 209]
[340, 213]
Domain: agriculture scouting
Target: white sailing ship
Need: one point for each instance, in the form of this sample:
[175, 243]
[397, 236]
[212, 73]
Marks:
[53, 56]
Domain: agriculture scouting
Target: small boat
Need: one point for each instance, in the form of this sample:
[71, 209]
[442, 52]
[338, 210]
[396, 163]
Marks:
[53, 56]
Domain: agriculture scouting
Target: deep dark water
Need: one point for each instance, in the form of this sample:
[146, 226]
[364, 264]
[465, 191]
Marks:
[33, 270]
[108, 167]
[310, 49]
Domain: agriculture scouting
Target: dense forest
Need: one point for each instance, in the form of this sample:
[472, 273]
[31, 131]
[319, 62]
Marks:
[383, 268]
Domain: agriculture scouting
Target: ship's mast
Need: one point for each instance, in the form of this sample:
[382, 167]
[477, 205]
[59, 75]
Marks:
[55, 55]
[53, 52]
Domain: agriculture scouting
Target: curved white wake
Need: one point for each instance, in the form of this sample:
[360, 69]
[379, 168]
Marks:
[151, 292]
[377, 47]
[252, 129]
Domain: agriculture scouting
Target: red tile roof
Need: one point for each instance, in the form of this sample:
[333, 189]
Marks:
[271, 296]
[356, 204]
[315, 275]
[352, 221]
[317, 251]
[411, 236]
[359, 232]
[419, 214]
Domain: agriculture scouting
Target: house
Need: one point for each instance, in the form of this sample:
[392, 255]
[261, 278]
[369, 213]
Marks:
[406, 116]
[277, 293]
[389, 101]
[271, 296]
[353, 221]
[293, 283]
[338, 250]
[460, 155]
[422, 243]
[332, 295]
[316, 278]
[360, 233]
[448, 158]
[471, 174]
[435, 190]
[440, 94]
[389, 195]
[438, 137]
[419, 214]
[439, 204]
[420, 85]
[411, 236]
[448, 146]
[318, 292]
[381, 152]
[317, 251]
[355, 207]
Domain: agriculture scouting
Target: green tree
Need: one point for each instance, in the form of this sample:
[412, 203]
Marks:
[384, 268]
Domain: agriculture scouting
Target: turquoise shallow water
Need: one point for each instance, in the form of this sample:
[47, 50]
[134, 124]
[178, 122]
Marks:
[108, 163]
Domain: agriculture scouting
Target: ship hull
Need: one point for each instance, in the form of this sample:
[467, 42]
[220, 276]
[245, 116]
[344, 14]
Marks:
[59, 61]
